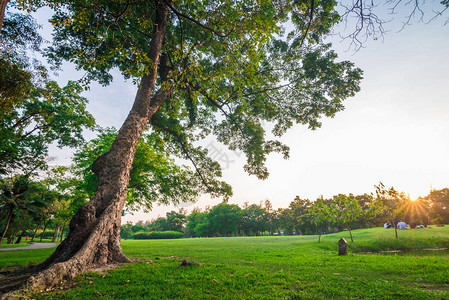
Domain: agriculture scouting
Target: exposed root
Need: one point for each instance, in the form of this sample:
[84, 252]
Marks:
[18, 284]
[13, 280]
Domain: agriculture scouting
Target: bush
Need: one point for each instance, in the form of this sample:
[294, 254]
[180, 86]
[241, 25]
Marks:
[47, 235]
[143, 235]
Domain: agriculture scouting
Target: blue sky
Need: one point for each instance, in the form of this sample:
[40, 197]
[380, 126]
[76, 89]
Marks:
[395, 130]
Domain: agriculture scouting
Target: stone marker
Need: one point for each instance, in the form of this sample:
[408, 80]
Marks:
[342, 247]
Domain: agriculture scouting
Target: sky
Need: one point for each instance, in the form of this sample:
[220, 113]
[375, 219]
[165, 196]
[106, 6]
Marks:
[394, 131]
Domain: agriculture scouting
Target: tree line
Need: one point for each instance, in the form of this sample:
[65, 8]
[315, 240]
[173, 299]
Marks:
[303, 216]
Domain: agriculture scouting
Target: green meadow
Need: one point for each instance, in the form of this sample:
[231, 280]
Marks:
[268, 267]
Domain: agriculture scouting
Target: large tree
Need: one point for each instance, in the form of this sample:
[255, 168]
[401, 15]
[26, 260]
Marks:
[203, 67]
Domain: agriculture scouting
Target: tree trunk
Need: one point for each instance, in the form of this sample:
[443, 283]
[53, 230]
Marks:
[43, 231]
[19, 239]
[6, 226]
[350, 234]
[62, 233]
[94, 231]
[3, 4]
[395, 229]
[55, 234]
[35, 231]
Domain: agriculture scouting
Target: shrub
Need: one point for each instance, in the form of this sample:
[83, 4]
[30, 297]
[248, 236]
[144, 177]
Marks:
[47, 235]
[143, 235]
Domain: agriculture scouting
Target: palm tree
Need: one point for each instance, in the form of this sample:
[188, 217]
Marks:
[14, 196]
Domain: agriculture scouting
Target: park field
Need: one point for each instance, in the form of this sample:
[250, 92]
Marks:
[271, 267]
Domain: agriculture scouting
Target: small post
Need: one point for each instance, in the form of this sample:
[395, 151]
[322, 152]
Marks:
[342, 247]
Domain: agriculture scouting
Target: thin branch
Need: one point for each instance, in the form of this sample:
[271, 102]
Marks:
[312, 8]
[199, 23]
[184, 149]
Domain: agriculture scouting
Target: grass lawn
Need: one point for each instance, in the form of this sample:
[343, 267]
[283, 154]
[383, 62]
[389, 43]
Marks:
[23, 243]
[296, 267]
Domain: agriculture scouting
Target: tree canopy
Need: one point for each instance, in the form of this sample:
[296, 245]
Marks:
[229, 67]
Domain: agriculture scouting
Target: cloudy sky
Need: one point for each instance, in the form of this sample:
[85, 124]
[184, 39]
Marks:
[395, 131]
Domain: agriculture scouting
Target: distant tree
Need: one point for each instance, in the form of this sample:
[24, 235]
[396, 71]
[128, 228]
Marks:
[285, 220]
[254, 220]
[126, 231]
[198, 224]
[299, 209]
[346, 210]
[160, 224]
[175, 221]
[274, 221]
[322, 216]
[439, 205]
[137, 227]
[391, 204]
[224, 219]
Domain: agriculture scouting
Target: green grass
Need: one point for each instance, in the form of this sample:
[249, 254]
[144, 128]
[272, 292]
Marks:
[23, 243]
[267, 268]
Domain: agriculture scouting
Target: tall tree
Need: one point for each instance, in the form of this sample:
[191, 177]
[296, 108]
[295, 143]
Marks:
[202, 67]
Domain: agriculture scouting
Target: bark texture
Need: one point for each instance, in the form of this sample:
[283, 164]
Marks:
[3, 4]
[94, 236]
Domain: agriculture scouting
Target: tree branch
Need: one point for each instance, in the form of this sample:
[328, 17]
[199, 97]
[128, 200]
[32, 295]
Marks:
[184, 150]
[312, 7]
[222, 35]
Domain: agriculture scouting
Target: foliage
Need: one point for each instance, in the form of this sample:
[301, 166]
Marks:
[143, 235]
[154, 176]
[230, 67]
[224, 219]
[18, 201]
[18, 75]
[126, 231]
[439, 200]
[254, 220]
[34, 111]
[198, 224]
[48, 234]
[345, 210]
[321, 215]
